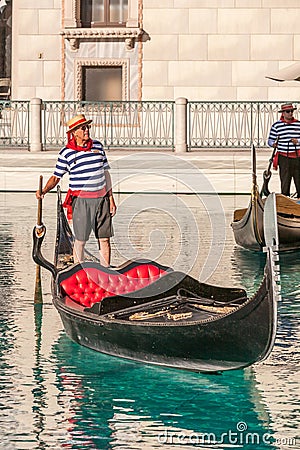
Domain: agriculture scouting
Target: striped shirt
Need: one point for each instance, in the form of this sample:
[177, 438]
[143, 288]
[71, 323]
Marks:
[285, 131]
[86, 168]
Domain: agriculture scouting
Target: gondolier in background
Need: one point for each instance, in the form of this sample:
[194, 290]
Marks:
[89, 199]
[285, 135]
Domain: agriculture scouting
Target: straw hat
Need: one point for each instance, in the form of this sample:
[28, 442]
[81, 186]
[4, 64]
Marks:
[287, 106]
[77, 121]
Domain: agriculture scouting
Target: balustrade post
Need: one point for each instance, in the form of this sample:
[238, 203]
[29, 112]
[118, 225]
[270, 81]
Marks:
[181, 125]
[35, 130]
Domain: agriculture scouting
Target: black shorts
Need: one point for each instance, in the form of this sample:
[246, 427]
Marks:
[91, 214]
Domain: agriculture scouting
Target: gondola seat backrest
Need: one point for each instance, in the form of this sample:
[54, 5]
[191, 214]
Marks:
[88, 283]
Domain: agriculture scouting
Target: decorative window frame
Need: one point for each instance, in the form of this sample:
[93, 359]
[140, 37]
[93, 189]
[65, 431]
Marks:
[74, 33]
[80, 63]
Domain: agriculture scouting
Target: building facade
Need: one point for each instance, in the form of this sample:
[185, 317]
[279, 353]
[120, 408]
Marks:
[109, 50]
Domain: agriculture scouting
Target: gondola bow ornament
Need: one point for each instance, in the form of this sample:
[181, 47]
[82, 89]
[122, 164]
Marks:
[268, 173]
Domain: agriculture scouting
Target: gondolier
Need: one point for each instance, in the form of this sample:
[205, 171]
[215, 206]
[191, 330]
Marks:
[90, 198]
[285, 134]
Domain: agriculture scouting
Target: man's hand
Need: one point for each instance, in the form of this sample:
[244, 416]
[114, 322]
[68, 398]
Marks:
[38, 195]
[51, 183]
[112, 206]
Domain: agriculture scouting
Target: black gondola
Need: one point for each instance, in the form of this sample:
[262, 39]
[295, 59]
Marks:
[247, 224]
[149, 313]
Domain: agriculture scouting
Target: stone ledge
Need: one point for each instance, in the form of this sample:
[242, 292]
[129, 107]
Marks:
[127, 34]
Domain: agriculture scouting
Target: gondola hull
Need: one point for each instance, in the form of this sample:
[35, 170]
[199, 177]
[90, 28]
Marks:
[249, 230]
[213, 344]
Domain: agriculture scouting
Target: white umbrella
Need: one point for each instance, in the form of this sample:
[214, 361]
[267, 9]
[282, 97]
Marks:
[290, 73]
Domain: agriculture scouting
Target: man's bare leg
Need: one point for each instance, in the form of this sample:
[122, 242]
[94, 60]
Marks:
[78, 251]
[105, 251]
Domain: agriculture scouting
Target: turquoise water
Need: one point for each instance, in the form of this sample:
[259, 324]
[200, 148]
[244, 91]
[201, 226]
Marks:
[57, 394]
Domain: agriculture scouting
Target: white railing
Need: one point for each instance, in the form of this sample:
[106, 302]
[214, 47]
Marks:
[230, 124]
[116, 124]
[180, 125]
[14, 124]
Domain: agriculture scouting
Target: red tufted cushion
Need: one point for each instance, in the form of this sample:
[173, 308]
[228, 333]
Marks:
[90, 285]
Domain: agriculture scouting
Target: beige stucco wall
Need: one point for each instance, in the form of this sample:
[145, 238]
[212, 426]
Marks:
[219, 49]
[37, 49]
[198, 49]
[43, 63]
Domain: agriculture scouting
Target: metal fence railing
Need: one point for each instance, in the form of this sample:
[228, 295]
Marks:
[146, 124]
[230, 124]
[115, 124]
[14, 123]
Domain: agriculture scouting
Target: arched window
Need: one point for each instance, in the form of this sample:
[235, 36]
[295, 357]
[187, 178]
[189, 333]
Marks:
[103, 13]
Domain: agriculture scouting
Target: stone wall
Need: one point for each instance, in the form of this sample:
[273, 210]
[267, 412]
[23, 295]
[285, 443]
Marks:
[219, 49]
[198, 49]
[36, 49]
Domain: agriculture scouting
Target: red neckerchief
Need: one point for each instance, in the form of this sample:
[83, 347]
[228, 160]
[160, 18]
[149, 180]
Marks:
[290, 121]
[73, 146]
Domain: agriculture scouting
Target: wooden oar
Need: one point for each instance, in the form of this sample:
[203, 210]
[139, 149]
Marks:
[38, 297]
[253, 160]
[267, 173]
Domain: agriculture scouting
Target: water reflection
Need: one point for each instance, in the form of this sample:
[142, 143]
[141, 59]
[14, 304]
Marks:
[248, 268]
[7, 257]
[278, 378]
[112, 402]
[39, 391]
